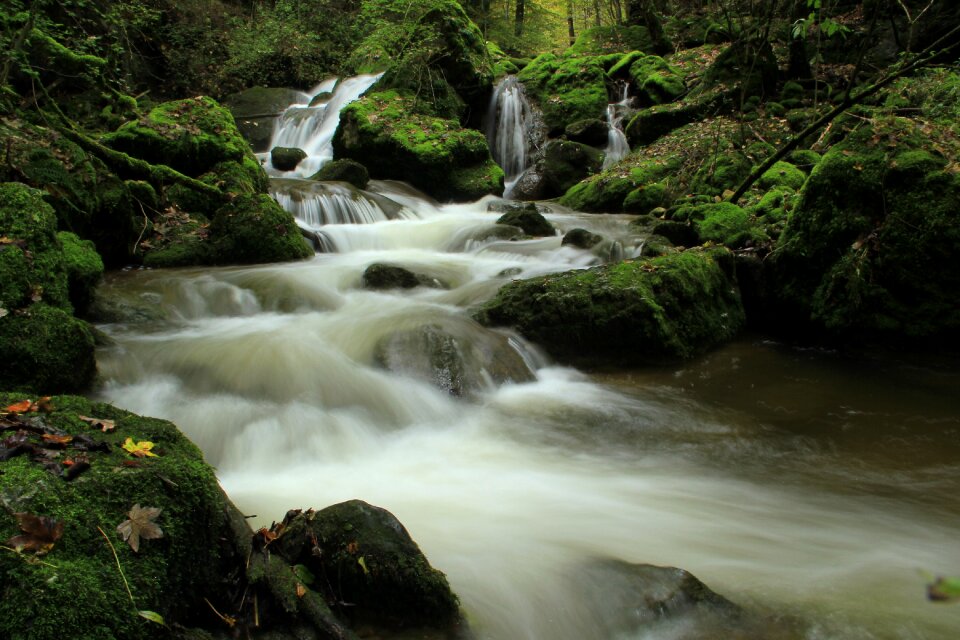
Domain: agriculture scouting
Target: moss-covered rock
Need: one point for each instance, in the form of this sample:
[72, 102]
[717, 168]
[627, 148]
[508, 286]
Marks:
[45, 350]
[654, 79]
[581, 238]
[254, 229]
[782, 174]
[669, 307]
[567, 88]
[78, 585]
[597, 41]
[344, 170]
[727, 224]
[381, 132]
[528, 219]
[390, 276]
[190, 135]
[612, 190]
[591, 131]
[379, 569]
[84, 269]
[31, 257]
[871, 248]
[565, 163]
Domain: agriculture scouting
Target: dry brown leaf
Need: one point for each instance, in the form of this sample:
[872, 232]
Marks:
[39, 533]
[103, 424]
[140, 525]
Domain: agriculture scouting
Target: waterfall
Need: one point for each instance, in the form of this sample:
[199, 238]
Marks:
[510, 126]
[311, 128]
[617, 145]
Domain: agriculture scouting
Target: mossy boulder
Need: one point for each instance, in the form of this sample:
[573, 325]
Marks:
[286, 158]
[727, 224]
[654, 79]
[591, 131]
[617, 188]
[602, 40]
[581, 238]
[567, 88]
[870, 249]
[78, 584]
[381, 132]
[665, 308]
[565, 163]
[31, 256]
[377, 566]
[190, 135]
[84, 269]
[782, 174]
[87, 197]
[448, 50]
[381, 276]
[344, 170]
[528, 219]
[254, 229]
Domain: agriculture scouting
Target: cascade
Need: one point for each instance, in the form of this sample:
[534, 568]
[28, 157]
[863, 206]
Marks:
[515, 475]
[511, 124]
[617, 145]
[311, 128]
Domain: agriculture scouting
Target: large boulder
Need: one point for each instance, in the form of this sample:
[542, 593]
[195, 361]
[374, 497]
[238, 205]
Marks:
[670, 307]
[84, 269]
[870, 248]
[565, 163]
[362, 555]
[256, 109]
[344, 170]
[567, 88]
[382, 132]
[655, 81]
[528, 218]
[65, 470]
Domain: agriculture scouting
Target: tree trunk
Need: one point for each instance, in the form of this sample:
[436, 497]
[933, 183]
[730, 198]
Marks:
[570, 30]
[518, 19]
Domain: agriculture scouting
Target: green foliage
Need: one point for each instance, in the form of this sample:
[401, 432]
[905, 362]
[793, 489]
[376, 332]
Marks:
[568, 88]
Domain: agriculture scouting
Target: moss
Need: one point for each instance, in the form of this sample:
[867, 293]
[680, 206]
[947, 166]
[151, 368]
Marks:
[78, 587]
[345, 170]
[657, 82]
[871, 246]
[253, 229]
[674, 306]
[527, 218]
[190, 135]
[45, 350]
[775, 204]
[565, 163]
[791, 91]
[31, 257]
[613, 39]
[381, 132]
[567, 88]
[84, 269]
[608, 191]
[286, 158]
[727, 224]
[782, 174]
[804, 159]
[646, 198]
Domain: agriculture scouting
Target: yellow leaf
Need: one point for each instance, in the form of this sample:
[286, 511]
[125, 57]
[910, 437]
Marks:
[140, 449]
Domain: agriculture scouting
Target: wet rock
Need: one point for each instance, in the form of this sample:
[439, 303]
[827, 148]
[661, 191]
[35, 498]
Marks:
[581, 238]
[591, 131]
[255, 111]
[566, 163]
[460, 359]
[389, 276]
[286, 158]
[375, 574]
[529, 219]
[344, 171]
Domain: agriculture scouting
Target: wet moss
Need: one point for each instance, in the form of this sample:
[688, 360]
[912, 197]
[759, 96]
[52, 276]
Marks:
[45, 350]
[344, 170]
[254, 229]
[782, 174]
[674, 306]
[567, 88]
[727, 224]
[78, 587]
[84, 269]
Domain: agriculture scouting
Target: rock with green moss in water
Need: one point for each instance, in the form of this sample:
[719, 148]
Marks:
[782, 174]
[286, 158]
[666, 308]
[381, 132]
[87, 197]
[362, 555]
[253, 229]
[528, 219]
[84, 269]
[615, 189]
[46, 350]
[870, 250]
[344, 170]
[565, 163]
[566, 87]
[89, 581]
[655, 81]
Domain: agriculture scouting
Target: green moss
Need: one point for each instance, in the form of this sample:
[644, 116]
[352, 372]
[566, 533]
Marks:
[804, 159]
[344, 170]
[791, 91]
[646, 198]
[613, 39]
[870, 249]
[190, 135]
[79, 587]
[727, 224]
[657, 82]
[782, 174]
[674, 306]
[381, 132]
[253, 229]
[567, 88]
[45, 350]
[84, 269]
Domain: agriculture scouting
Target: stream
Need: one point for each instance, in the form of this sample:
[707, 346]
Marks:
[806, 484]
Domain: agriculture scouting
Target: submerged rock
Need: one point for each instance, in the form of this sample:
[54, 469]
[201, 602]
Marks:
[389, 276]
[345, 170]
[286, 158]
[528, 218]
[581, 238]
[669, 307]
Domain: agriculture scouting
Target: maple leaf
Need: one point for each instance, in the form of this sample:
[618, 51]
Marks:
[39, 535]
[140, 525]
[139, 449]
[20, 407]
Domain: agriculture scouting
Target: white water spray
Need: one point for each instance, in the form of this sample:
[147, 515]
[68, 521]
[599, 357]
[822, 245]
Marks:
[510, 126]
[617, 145]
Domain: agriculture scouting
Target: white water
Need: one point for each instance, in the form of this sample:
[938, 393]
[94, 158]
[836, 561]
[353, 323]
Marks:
[311, 128]
[274, 372]
[510, 125]
[617, 145]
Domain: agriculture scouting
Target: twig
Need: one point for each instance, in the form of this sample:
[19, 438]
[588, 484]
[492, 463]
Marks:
[31, 560]
[119, 568]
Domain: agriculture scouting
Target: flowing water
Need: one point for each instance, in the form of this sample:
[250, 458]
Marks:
[512, 130]
[803, 484]
[617, 145]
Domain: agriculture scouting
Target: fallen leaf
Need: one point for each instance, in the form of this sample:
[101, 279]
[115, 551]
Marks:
[56, 440]
[363, 564]
[140, 449]
[140, 525]
[301, 590]
[104, 425]
[39, 533]
[944, 589]
[152, 616]
[20, 407]
[44, 405]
